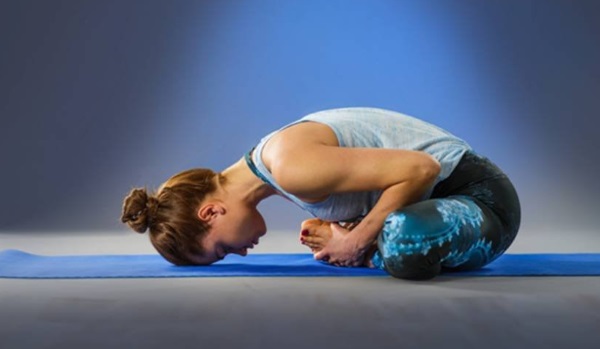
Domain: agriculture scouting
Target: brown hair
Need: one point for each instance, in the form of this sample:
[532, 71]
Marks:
[171, 215]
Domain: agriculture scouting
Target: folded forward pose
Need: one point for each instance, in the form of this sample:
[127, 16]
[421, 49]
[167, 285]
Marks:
[387, 191]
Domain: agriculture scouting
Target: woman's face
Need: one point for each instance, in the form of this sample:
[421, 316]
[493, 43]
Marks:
[234, 231]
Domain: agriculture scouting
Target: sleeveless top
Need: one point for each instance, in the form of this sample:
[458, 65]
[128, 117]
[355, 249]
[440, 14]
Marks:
[368, 128]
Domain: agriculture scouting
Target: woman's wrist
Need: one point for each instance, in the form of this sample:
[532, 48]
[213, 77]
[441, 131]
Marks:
[362, 240]
[368, 229]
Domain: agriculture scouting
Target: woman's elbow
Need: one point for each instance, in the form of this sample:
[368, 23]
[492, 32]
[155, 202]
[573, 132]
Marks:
[430, 169]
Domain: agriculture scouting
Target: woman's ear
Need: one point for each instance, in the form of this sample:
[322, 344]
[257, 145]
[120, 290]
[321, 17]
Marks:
[210, 211]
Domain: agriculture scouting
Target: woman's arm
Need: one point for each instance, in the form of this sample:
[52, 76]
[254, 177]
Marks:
[313, 171]
[365, 233]
[316, 171]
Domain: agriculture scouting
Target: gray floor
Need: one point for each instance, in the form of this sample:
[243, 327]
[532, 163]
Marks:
[545, 312]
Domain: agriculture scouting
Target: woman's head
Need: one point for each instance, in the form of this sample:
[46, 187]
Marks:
[170, 215]
[192, 220]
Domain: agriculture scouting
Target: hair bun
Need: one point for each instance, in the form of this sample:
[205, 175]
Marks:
[151, 208]
[139, 209]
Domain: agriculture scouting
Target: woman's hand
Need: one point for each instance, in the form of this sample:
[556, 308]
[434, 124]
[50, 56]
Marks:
[343, 249]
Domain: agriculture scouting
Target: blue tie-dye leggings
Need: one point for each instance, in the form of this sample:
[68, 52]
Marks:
[471, 218]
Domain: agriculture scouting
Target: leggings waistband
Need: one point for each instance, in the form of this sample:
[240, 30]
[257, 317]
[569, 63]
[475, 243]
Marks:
[470, 170]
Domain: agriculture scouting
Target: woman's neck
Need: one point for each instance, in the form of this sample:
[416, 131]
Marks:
[244, 185]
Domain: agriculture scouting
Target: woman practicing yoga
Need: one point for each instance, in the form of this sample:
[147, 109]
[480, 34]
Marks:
[387, 191]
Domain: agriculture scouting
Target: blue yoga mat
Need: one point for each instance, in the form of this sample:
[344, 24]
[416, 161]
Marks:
[19, 264]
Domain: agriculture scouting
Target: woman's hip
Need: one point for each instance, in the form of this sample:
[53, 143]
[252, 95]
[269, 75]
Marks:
[477, 177]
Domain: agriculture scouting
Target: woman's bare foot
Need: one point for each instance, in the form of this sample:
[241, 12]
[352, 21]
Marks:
[316, 233]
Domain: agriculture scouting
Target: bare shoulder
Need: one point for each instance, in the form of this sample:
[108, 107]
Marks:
[296, 141]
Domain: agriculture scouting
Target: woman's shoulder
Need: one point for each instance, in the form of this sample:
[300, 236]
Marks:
[296, 140]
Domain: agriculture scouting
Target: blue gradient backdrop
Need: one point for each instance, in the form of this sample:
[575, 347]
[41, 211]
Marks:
[98, 97]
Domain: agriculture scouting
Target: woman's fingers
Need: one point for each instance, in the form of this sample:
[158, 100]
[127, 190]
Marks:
[322, 255]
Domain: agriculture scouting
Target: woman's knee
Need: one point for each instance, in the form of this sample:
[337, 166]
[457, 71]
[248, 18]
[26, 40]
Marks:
[405, 248]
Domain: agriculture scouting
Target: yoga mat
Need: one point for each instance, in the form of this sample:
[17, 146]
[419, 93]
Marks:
[19, 264]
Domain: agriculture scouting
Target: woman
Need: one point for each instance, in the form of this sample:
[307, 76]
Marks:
[387, 191]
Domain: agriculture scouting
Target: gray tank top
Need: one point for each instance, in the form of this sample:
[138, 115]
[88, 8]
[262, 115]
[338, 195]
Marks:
[370, 128]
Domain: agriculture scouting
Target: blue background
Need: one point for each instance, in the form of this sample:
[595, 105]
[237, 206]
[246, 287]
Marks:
[98, 97]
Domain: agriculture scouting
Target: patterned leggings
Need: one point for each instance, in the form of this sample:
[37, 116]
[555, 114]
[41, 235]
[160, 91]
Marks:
[471, 218]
